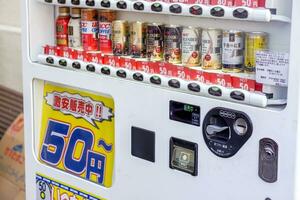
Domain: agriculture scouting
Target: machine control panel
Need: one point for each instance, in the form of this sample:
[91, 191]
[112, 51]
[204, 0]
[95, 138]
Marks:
[225, 131]
[185, 113]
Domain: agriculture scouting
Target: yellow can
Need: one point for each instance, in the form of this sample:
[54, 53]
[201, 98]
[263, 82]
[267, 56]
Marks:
[255, 41]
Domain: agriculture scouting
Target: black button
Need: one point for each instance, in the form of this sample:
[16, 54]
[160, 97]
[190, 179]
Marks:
[76, 65]
[138, 6]
[121, 73]
[62, 62]
[121, 5]
[174, 83]
[240, 13]
[50, 60]
[175, 8]
[217, 12]
[237, 95]
[61, 1]
[105, 70]
[75, 2]
[105, 3]
[138, 76]
[215, 91]
[90, 68]
[143, 144]
[155, 80]
[90, 2]
[194, 87]
[48, 1]
[196, 10]
[156, 7]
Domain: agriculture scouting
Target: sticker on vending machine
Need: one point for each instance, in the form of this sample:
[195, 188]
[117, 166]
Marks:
[49, 189]
[77, 133]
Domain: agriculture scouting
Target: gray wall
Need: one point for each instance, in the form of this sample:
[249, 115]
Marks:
[10, 45]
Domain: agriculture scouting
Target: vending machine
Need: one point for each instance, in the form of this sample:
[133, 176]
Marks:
[161, 99]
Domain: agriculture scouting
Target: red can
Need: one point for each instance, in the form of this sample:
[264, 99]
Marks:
[89, 29]
[62, 27]
[105, 30]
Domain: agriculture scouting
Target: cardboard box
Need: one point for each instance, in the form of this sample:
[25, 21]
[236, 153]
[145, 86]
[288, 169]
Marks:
[12, 172]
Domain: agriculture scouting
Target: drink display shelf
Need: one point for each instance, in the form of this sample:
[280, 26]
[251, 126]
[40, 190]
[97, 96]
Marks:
[241, 96]
[192, 10]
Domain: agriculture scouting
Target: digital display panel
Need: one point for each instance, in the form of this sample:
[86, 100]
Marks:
[185, 113]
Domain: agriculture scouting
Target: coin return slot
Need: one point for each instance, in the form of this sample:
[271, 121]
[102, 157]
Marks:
[155, 80]
[62, 62]
[218, 129]
[76, 65]
[138, 6]
[75, 2]
[175, 8]
[196, 10]
[121, 73]
[105, 70]
[156, 7]
[217, 12]
[138, 77]
[50, 60]
[105, 4]
[240, 13]
[90, 68]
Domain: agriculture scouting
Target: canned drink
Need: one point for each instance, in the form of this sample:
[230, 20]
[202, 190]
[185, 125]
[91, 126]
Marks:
[89, 29]
[191, 44]
[120, 37]
[105, 30]
[138, 39]
[233, 51]
[211, 49]
[255, 41]
[155, 41]
[172, 44]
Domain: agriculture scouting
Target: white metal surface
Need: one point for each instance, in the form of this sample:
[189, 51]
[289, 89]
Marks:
[146, 106]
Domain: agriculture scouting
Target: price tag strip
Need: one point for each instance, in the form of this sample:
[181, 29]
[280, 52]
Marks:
[49, 189]
[77, 133]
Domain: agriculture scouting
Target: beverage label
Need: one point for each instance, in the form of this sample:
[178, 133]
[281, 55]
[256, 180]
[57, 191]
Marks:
[247, 3]
[89, 31]
[105, 37]
[74, 31]
[222, 2]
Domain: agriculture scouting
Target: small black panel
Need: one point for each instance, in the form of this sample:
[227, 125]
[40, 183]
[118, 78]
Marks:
[156, 7]
[175, 8]
[225, 131]
[174, 83]
[217, 12]
[50, 60]
[185, 113]
[196, 10]
[61, 1]
[90, 68]
[155, 80]
[121, 73]
[62, 62]
[143, 144]
[138, 6]
[138, 76]
[240, 13]
[105, 4]
[268, 160]
[75, 2]
[76, 65]
[194, 87]
[105, 70]
[121, 5]
[90, 2]
[184, 156]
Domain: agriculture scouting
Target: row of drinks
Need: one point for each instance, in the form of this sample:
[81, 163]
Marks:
[92, 30]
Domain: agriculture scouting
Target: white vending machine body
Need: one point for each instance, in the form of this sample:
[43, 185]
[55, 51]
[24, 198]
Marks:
[181, 158]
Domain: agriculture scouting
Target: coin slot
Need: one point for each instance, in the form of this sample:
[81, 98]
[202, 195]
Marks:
[240, 126]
